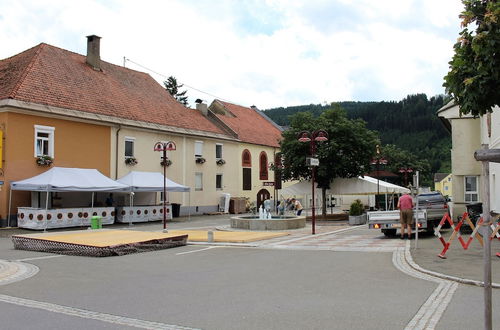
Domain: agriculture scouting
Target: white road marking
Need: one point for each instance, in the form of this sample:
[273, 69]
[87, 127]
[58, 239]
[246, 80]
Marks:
[208, 248]
[431, 311]
[86, 314]
[40, 258]
[316, 235]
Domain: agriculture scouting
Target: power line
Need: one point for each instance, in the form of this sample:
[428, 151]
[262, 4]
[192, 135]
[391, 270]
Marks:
[165, 76]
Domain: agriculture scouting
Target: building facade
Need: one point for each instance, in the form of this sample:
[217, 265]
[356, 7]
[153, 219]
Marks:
[78, 111]
[468, 135]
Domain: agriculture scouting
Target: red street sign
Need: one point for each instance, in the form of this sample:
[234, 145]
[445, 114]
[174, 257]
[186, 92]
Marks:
[268, 184]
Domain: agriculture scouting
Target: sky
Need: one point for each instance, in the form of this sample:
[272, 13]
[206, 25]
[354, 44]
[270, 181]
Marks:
[267, 53]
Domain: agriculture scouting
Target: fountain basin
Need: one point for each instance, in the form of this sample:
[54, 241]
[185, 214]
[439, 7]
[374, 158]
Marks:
[275, 223]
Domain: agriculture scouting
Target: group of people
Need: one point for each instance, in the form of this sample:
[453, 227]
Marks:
[290, 204]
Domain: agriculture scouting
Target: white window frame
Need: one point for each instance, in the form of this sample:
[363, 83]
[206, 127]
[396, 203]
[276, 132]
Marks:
[198, 149]
[129, 139]
[221, 151]
[221, 181]
[471, 193]
[198, 181]
[50, 131]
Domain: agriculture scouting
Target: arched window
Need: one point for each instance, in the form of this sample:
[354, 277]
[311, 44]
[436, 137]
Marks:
[246, 159]
[263, 172]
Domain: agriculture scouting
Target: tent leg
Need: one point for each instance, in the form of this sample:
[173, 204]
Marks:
[10, 204]
[189, 207]
[46, 211]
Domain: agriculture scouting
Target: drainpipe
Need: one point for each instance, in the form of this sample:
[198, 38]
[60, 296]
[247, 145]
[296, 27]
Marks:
[116, 151]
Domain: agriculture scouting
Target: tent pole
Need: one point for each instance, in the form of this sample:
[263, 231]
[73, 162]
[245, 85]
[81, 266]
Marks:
[10, 204]
[189, 207]
[46, 209]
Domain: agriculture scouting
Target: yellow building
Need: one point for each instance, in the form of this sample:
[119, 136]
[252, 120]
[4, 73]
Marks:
[443, 184]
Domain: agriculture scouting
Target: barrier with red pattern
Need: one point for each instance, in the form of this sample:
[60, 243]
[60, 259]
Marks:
[456, 233]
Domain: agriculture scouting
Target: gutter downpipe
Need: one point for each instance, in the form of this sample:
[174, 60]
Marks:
[116, 151]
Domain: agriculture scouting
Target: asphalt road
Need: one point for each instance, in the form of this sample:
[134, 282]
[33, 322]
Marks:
[297, 286]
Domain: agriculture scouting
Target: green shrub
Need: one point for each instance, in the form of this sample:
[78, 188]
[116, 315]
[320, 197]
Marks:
[356, 208]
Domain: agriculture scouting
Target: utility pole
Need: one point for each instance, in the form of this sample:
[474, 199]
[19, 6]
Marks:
[485, 156]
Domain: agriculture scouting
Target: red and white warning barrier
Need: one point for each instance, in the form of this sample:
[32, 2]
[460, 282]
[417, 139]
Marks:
[456, 233]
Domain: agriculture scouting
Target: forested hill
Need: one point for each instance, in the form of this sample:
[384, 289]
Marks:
[411, 124]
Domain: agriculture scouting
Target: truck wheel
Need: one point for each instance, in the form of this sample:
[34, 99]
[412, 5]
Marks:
[389, 232]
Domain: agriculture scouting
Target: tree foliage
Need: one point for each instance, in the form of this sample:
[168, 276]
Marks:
[474, 76]
[410, 124]
[346, 154]
[173, 88]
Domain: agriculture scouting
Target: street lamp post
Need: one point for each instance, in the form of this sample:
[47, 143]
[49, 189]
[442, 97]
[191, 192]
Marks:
[312, 138]
[405, 171]
[163, 147]
[377, 161]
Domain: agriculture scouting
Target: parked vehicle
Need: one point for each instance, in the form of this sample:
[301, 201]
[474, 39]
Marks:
[432, 207]
[474, 210]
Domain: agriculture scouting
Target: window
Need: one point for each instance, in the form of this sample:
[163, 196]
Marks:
[129, 147]
[263, 166]
[218, 151]
[471, 194]
[218, 181]
[198, 149]
[44, 141]
[247, 178]
[246, 158]
[198, 181]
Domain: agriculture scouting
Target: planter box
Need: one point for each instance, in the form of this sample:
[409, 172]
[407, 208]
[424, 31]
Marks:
[357, 219]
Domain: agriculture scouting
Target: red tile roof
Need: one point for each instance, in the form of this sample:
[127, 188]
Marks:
[56, 77]
[250, 126]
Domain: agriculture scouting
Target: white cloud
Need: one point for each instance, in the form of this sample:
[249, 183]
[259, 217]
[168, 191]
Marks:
[268, 53]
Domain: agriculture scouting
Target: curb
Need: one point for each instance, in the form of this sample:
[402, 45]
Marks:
[415, 266]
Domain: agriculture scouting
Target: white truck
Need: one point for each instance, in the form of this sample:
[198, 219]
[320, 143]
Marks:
[432, 207]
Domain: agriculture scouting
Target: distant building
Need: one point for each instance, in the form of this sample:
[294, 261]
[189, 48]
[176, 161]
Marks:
[443, 184]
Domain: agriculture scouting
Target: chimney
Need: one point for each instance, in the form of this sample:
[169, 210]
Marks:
[93, 52]
[202, 107]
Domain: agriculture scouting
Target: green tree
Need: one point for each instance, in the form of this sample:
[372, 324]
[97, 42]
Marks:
[398, 158]
[346, 154]
[173, 88]
[473, 80]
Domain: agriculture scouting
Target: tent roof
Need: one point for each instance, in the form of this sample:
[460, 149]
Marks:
[68, 179]
[364, 186]
[352, 186]
[150, 181]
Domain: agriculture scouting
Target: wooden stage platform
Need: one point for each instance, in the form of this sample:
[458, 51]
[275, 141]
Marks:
[98, 243]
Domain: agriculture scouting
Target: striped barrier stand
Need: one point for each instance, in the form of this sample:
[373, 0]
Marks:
[456, 233]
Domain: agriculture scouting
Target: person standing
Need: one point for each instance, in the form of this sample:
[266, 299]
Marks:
[405, 206]
[298, 207]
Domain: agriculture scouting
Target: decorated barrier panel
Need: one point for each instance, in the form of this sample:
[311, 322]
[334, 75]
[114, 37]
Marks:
[39, 219]
[131, 214]
[495, 226]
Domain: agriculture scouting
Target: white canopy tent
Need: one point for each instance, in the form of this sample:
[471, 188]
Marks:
[364, 186]
[138, 181]
[150, 181]
[59, 179]
[65, 179]
[352, 186]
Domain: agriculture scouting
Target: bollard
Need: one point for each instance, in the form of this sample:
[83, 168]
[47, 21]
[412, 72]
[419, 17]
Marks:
[210, 236]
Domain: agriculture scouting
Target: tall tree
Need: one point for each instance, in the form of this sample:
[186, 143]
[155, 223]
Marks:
[346, 154]
[173, 88]
[474, 77]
